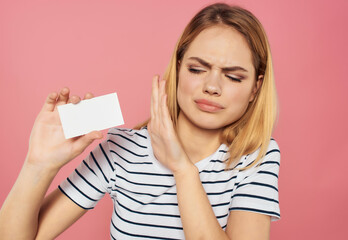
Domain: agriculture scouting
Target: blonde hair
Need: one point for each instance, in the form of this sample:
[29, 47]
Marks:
[254, 129]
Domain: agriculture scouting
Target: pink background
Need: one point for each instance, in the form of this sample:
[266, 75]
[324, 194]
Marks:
[106, 46]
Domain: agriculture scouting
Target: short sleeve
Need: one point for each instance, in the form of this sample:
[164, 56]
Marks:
[256, 188]
[89, 182]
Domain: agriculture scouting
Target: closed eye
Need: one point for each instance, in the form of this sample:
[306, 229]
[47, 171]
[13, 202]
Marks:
[194, 70]
[198, 71]
[233, 78]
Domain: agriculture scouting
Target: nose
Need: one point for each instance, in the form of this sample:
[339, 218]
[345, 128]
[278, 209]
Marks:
[212, 84]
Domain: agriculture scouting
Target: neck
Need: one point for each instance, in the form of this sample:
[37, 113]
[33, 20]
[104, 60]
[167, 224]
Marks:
[198, 143]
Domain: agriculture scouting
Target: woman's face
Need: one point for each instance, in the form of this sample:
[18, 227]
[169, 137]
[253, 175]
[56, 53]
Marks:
[216, 78]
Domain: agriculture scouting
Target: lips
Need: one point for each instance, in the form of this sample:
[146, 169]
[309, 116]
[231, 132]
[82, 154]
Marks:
[208, 106]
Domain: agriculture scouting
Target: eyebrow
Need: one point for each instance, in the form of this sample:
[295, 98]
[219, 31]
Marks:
[225, 69]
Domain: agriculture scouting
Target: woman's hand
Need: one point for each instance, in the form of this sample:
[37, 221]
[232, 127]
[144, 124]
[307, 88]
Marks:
[48, 147]
[165, 143]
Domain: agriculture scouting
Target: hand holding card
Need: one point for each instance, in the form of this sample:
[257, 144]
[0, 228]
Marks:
[91, 114]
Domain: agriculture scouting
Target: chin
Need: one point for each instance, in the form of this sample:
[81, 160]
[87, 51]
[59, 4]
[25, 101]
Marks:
[210, 126]
[208, 123]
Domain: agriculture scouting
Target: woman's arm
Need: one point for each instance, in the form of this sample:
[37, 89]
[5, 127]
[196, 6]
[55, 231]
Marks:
[20, 215]
[197, 216]
[27, 215]
[199, 220]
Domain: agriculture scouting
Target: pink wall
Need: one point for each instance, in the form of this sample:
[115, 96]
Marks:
[106, 46]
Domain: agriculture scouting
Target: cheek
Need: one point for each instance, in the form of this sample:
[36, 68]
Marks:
[187, 85]
[238, 98]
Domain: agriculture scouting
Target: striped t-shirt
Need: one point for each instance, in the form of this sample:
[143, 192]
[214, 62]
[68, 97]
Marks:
[144, 192]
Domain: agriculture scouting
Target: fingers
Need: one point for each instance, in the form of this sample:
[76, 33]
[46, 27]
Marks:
[85, 140]
[76, 99]
[53, 99]
[50, 102]
[88, 96]
[167, 120]
[154, 97]
[160, 118]
[161, 100]
[63, 96]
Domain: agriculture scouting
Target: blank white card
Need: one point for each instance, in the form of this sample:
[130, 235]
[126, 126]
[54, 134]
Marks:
[91, 114]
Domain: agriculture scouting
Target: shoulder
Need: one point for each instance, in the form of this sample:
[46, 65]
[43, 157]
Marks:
[128, 137]
[272, 155]
[273, 151]
[128, 132]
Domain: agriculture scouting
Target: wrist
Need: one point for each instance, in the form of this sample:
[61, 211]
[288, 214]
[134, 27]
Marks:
[40, 167]
[188, 169]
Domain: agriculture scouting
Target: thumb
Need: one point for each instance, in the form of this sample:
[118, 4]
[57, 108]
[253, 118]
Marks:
[86, 140]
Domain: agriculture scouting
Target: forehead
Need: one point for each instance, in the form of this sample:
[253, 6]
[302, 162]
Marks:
[221, 46]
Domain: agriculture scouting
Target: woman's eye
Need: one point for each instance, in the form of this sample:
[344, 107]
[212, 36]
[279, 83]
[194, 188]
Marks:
[234, 79]
[194, 70]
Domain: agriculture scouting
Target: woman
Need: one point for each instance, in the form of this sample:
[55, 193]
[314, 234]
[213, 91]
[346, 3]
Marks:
[203, 167]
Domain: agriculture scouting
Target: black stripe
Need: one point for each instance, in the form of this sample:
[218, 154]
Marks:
[219, 171]
[222, 216]
[140, 236]
[213, 171]
[151, 203]
[258, 184]
[146, 194]
[145, 173]
[106, 157]
[273, 150]
[220, 193]
[145, 213]
[270, 162]
[270, 151]
[124, 129]
[146, 225]
[130, 140]
[223, 151]
[216, 160]
[95, 161]
[128, 160]
[89, 167]
[254, 196]
[90, 184]
[220, 204]
[94, 200]
[72, 199]
[141, 135]
[225, 162]
[145, 184]
[221, 181]
[269, 173]
[138, 155]
[158, 214]
[240, 163]
[256, 210]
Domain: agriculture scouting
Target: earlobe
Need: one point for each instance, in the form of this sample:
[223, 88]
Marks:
[256, 88]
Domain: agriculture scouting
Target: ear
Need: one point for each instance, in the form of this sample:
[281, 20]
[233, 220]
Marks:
[178, 65]
[256, 88]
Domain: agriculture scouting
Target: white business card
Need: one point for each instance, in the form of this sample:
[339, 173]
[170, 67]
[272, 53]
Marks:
[97, 113]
